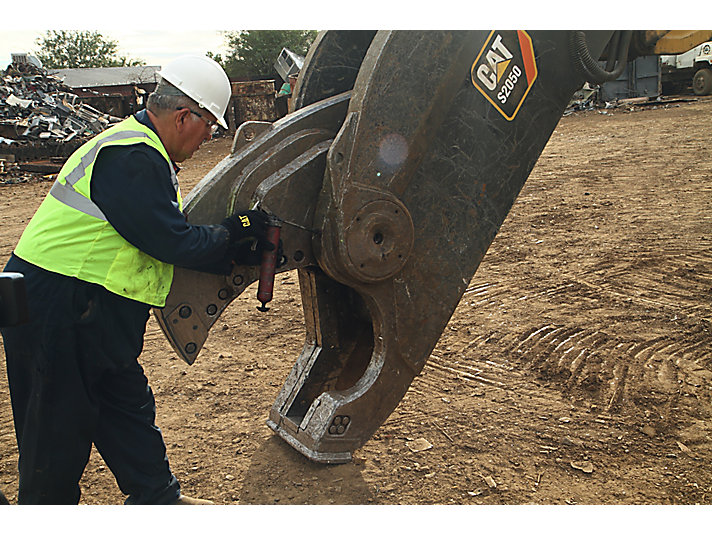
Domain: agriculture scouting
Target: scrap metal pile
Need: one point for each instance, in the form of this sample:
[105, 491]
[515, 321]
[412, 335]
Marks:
[41, 123]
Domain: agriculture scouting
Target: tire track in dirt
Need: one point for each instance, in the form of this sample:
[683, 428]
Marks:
[620, 370]
[678, 281]
[589, 358]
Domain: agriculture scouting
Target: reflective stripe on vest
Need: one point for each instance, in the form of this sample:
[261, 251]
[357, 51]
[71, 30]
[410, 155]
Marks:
[65, 192]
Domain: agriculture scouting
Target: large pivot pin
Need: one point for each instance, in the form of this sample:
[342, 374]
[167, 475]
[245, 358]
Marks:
[379, 240]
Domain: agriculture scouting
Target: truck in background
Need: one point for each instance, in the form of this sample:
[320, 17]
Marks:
[692, 68]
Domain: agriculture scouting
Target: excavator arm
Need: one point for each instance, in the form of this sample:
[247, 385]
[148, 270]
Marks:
[391, 175]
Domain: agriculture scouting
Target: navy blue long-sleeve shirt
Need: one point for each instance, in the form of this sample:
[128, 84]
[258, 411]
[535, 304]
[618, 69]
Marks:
[132, 187]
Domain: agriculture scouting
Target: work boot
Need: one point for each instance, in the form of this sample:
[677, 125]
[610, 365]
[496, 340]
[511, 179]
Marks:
[191, 500]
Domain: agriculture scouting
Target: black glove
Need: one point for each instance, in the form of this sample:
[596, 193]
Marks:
[249, 252]
[245, 224]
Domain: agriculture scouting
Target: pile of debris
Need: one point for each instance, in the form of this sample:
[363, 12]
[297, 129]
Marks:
[33, 171]
[40, 119]
[588, 99]
[584, 99]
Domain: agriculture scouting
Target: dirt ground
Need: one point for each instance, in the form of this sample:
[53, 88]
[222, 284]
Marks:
[577, 368]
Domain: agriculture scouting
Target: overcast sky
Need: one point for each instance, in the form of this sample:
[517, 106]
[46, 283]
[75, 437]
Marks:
[159, 31]
[154, 32]
[154, 47]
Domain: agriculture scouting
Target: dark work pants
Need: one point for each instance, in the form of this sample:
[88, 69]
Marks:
[75, 380]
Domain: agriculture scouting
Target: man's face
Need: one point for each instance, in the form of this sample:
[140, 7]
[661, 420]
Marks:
[194, 127]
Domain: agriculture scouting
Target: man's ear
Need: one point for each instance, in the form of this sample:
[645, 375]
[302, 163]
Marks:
[180, 117]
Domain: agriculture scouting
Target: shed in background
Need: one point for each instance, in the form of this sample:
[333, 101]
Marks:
[118, 91]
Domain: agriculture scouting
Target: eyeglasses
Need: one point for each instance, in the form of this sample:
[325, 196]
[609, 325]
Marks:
[213, 125]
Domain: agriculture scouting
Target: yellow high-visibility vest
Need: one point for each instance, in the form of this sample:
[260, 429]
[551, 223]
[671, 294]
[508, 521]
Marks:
[70, 235]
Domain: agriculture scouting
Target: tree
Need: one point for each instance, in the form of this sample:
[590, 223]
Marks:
[80, 49]
[253, 52]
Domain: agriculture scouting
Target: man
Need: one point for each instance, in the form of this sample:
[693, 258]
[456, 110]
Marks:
[96, 256]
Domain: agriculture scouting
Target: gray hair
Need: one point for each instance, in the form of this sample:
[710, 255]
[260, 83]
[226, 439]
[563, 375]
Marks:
[168, 97]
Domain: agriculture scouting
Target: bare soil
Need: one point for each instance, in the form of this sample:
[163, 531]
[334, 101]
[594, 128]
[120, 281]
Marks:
[577, 368]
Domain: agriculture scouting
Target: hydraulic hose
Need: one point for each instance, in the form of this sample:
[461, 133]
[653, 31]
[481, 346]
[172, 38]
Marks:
[588, 67]
[612, 46]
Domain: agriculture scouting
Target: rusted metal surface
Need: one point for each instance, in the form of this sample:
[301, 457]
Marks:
[253, 88]
[116, 105]
[252, 101]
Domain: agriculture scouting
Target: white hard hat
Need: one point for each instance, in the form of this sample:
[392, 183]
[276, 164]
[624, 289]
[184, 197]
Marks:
[203, 80]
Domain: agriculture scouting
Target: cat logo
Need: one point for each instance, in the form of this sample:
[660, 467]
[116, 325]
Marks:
[505, 70]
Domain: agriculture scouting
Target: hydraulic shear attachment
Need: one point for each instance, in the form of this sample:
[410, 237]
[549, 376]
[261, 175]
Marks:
[394, 173]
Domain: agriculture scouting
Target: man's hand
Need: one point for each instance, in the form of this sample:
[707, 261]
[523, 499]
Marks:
[249, 252]
[246, 224]
[248, 238]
